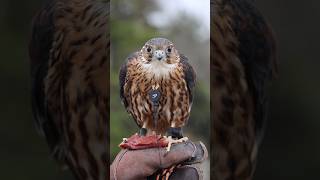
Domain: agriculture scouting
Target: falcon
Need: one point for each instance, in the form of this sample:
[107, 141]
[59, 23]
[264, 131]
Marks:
[156, 88]
[243, 62]
[69, 70]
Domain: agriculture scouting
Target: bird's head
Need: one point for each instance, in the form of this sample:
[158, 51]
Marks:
[159, 51]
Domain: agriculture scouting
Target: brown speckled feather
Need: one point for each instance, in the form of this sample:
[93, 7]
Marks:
[176, 93]
[69, 64]
[242, 62]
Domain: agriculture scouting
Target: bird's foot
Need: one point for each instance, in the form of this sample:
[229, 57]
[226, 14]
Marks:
[174, 141]
[143, 132]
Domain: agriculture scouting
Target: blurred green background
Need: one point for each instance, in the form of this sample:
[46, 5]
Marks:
[291, 145]
[133, 22]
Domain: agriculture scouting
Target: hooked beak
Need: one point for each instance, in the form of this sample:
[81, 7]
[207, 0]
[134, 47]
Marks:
[159, 54]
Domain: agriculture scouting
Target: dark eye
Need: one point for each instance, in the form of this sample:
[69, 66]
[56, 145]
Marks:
[169, 50]
[149, 49]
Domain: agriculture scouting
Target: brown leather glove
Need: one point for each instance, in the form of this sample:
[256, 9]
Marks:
[142, 164]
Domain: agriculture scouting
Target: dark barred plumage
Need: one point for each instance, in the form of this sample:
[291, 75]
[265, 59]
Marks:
[173, 77]
[243, 60]
[69, 52]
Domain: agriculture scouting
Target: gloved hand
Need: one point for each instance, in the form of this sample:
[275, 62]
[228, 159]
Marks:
[144, 164]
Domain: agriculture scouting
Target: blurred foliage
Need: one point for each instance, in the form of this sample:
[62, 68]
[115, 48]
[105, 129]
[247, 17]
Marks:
[130, 29]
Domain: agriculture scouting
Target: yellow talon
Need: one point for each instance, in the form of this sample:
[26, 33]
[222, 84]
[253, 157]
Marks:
[174, 141]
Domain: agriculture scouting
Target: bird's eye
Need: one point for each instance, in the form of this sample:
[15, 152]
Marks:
[149, 49]
[169, 50]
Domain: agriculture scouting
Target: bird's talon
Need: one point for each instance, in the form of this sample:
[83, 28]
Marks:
[174, 141]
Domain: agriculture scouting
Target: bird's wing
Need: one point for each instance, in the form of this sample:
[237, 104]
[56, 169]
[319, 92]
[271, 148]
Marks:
[122, 81]
[39, 50]
[257, 53]
[123, 78]
[189, 75]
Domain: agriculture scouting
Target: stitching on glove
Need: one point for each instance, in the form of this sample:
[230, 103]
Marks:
[117, 164]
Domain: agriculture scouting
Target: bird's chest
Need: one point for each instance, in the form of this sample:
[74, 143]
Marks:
[173, 102]
[173, 86]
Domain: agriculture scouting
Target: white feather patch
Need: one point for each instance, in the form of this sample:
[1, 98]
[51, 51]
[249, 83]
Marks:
[158, 69]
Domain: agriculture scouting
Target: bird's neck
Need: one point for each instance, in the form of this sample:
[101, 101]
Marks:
[158, 69]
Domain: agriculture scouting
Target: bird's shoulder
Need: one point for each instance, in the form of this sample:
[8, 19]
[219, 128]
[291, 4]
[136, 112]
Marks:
[133, 57]
[189, 75]
[130, 61]
[187, 68]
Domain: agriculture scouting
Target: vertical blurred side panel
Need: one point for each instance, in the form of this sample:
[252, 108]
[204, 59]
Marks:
[243, 61]
[107, 69]
[70, 62]
[211, 91]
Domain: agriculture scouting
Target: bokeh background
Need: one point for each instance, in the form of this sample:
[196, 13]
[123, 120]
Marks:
[187, 24]
[291, 146]
[23, 154]
[290, 149]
